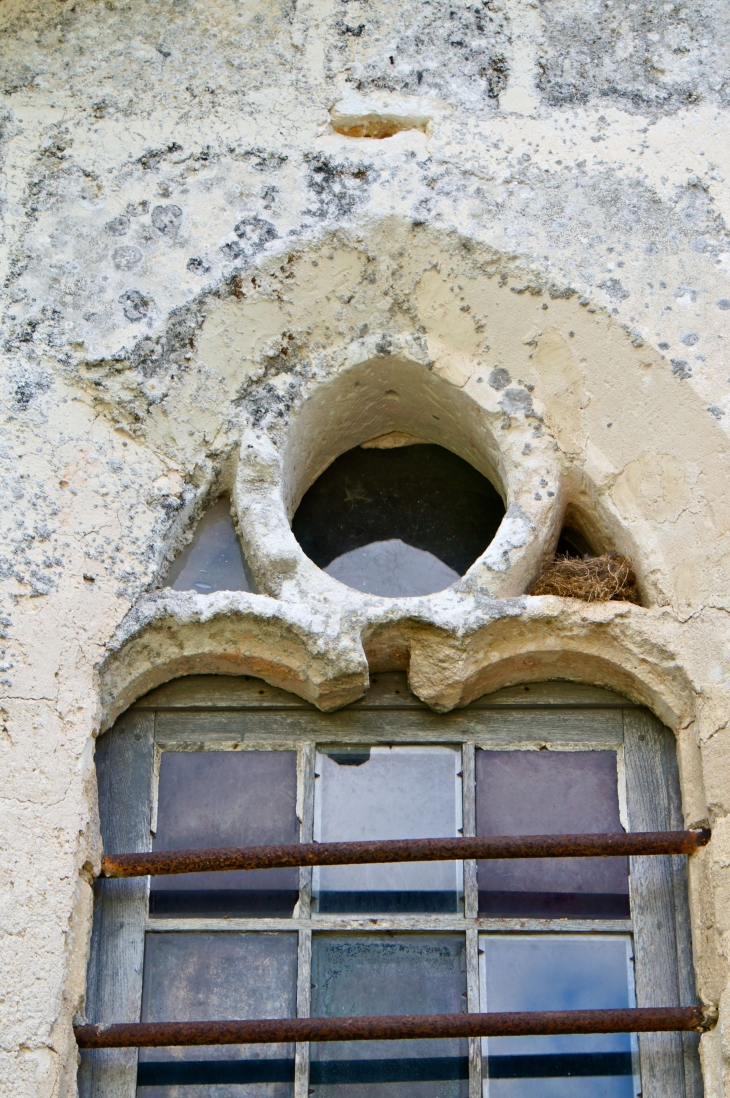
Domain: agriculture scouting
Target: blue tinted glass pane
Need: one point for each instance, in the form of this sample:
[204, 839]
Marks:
[393, 569]
[398, 974]
[388, 793]
[208, 977]
[226, 798]
[541, 972]
[398, 521]
[213, 560]
[550, 793]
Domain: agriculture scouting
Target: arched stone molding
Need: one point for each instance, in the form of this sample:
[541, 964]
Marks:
[449, 662]
[181, 633]
[615, 645]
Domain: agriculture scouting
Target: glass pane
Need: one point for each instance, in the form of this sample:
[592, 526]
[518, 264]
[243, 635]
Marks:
[214, 977]
[395, 522]
[394, 974]
[213, 560]
[387, 793]
[392, 568]
[542, 972]
[226, 798]
[550, 793]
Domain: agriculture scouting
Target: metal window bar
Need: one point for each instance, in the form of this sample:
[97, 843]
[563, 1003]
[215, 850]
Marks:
[158, 863]
[395, 1028]
[513, 1024]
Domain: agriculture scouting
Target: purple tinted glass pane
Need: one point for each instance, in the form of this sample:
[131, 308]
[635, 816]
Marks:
[550, 793]
[213, 560]
[208, 977]
[550, 972]
[226, 798]
[398, 974]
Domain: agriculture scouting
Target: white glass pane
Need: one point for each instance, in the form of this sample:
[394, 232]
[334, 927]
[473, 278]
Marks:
[388, 793]
[558, 972]
[213, 560]
[368, 974]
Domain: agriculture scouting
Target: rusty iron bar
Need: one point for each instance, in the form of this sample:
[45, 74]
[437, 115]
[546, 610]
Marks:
[393, 1028]
[162, 862]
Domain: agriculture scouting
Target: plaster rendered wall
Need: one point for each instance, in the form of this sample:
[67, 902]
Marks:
[210, 281]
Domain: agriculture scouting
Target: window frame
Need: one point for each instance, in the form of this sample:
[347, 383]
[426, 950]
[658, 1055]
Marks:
[245, 713]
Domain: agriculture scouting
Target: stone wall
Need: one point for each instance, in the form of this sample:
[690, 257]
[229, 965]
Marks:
[240, 238]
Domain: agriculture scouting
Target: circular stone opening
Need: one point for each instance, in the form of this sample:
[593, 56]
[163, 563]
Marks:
[399, 521]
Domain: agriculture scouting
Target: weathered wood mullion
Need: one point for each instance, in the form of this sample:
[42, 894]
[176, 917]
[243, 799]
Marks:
[155, 789]
[469, 819]
[388, 690]
[683, 924]
[305, 814]
[125, 763]
[651, 782]
[446, 924]
[503, 729]
[304, 1003]
[473, 1007]
[471, 900]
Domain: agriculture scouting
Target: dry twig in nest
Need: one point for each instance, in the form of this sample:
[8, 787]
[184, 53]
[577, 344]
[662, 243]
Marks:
[595, 579]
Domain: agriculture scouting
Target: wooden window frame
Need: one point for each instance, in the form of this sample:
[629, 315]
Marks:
[244, 713]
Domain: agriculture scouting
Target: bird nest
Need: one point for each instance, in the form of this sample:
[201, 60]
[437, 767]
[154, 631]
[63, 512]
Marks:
[595, 579]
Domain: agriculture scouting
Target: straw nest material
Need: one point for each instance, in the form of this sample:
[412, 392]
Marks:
[595, 579]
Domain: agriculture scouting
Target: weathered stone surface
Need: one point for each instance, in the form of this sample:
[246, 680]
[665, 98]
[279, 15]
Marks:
[242, 238]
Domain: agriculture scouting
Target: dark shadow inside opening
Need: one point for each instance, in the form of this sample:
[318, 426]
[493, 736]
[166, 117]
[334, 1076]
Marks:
[572, 543]
[402, 521]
